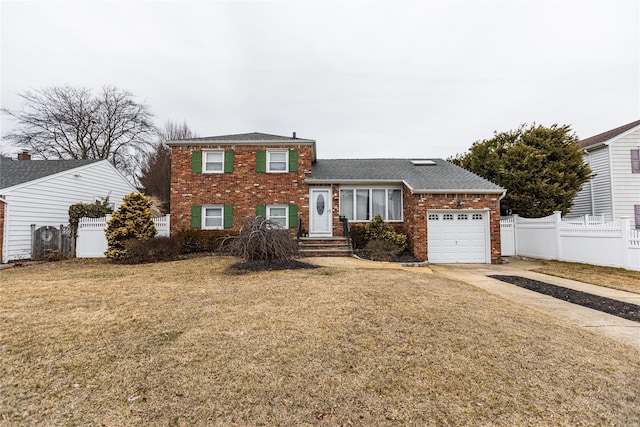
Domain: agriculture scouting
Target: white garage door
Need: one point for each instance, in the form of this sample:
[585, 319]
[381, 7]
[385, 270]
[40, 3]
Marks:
[458, 236]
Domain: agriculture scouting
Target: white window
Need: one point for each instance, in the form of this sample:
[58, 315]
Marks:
[212, 217]
[277, 161]
[363, 204]
[213, 161]
[278, 214]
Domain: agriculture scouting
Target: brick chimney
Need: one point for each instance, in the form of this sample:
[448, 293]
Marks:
[24, 156]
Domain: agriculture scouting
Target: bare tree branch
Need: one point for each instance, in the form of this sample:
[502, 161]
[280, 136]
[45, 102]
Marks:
[65, 122]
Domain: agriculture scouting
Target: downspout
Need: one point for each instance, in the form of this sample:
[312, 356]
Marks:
[3, 255]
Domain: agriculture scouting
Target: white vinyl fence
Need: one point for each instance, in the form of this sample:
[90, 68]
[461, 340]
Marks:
[92, 243]
[588, 240]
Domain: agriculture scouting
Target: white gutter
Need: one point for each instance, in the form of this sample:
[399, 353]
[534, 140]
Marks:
[5, 232]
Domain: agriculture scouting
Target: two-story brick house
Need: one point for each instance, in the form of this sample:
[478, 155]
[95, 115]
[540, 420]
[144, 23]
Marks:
[450, 214]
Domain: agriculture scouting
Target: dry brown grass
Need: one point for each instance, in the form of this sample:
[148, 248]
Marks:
[186, 343]
[615, 278]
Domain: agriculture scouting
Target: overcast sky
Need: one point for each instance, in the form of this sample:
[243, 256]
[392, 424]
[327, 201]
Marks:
[362, 78]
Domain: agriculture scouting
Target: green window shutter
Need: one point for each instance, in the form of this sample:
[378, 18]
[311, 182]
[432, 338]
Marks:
[293, 215]
[196, 161]
[196, 213]
[261, 161]
[293, 160]
[228, 216]
[261, 211]
[228, 161]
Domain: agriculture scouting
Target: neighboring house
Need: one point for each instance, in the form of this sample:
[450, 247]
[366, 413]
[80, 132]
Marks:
[40, 192]
[450, 214]
[614, 191]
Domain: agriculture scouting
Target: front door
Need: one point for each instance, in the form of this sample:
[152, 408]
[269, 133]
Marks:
[320, 212]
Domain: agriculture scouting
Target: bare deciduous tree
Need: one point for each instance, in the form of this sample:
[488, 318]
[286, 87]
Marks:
[65, 122]
[155, 175]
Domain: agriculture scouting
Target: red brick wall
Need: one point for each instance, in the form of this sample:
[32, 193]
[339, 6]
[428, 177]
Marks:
[244, 188]
[415, 216]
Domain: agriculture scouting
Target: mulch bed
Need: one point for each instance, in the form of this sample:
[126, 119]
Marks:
[607, 305]
[287, 264]
[405, 256]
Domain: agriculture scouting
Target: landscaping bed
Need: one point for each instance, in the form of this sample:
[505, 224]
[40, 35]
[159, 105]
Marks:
[607, 305]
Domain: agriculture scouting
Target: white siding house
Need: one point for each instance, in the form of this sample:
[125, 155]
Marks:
[614, 191]
[40, 192]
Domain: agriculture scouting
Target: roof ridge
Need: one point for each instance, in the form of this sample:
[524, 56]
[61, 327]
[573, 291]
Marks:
[607, 135]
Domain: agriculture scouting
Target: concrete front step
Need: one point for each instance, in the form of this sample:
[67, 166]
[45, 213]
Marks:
[324, 246]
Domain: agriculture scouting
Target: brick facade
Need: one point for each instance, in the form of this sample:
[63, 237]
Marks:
[244, 188]
[415, 216]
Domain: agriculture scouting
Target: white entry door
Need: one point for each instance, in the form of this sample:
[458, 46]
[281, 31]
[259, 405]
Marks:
[458, 236]
[320, 220]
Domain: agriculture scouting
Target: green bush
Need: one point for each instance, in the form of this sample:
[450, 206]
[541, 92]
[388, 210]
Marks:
[132, 220]
[380, 230]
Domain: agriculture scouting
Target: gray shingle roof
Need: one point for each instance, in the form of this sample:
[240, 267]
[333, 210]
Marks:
[440, 177]
[606, 136]
[247, 137]
[14, 172]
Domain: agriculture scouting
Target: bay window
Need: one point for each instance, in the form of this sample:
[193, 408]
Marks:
[363, 204]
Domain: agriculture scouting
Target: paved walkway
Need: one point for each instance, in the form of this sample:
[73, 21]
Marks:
[614, 327]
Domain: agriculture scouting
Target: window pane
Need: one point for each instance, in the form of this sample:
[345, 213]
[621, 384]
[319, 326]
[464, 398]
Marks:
[362, 205]
[213, 217]
[277, 212]
[378, 203]
[346, 204]
[277, 215]
[395, 205]
[277, 161]
[213, 161]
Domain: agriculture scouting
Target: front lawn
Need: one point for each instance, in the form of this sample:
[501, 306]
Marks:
[610, 277]
[191, 343]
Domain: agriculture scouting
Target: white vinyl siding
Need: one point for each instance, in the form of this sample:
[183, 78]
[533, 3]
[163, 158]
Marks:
[46, 202]
[626, 184]
[595, 196]
[363, 204]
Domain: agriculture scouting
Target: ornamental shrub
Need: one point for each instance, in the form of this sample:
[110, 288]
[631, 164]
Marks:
[264, 240]
[380, 230]
[132, 220]
[382, 250]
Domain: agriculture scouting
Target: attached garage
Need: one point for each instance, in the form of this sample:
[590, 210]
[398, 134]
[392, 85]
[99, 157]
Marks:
[458, 236]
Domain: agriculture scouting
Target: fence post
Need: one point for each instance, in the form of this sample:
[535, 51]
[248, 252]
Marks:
[515, 234]
[626, 226]
[557, 217]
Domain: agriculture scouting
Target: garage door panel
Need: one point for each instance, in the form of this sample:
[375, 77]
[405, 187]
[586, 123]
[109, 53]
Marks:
[457, 237]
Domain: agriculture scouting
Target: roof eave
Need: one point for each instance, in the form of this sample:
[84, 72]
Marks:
[459, 191]
[272, 142]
